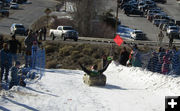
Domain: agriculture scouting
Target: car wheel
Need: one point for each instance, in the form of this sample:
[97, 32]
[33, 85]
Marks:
[76, 39]
[63, 37]
[52, 36]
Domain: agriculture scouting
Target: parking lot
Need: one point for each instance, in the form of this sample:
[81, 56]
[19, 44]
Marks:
[27, 14]
[141, 23]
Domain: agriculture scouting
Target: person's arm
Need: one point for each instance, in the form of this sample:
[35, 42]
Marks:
[105, 67]
[84, 69]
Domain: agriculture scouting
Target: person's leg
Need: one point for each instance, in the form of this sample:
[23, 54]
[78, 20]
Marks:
[6, 73]
[44, 36]
[2, 72]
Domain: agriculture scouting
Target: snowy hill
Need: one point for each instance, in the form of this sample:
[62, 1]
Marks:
[127, 89]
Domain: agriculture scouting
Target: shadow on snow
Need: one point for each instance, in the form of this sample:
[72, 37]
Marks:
[20, 104]
[41, 92]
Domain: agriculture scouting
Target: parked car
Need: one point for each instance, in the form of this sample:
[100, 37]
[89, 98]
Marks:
[14, 5]
[161, 1]
[18, 29]
[137, 35]
[165, 26]
[64, 32]
[157, 22]
[4, 13]
[134, 12]
[173, 30]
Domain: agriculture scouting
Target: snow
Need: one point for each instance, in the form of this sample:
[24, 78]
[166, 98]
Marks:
[127, 89]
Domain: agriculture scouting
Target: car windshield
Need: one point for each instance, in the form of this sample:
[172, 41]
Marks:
[19, 26]
[175, 28]
[138, 32]
[68, 28]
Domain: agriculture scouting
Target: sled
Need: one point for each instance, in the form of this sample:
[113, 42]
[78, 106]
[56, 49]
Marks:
[99, 80]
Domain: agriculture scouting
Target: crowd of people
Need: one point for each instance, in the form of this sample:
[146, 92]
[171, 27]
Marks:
[162, 61]
[9, 59]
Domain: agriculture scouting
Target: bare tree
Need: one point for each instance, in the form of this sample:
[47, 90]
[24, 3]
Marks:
[84, 14]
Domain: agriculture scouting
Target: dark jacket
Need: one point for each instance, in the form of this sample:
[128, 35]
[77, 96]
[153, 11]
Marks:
[124, 58]
[29, 41]
[14, 45]
[94, 73]
[5, 57]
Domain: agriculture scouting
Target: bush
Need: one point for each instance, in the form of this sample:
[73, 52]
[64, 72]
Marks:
[50, 48]
[51, 64]
[66, 51]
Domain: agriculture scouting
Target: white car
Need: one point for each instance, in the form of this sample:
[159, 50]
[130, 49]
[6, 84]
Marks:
[172, 29]
[137, 35]
[64, 32]
[14, 6]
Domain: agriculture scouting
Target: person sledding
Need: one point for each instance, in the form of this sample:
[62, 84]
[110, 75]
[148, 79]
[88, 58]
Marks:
[15, 78]
[94, 69]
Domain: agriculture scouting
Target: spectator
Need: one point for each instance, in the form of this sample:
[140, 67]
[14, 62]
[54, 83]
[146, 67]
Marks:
[166, 62]
[14, 45]
[5, 61]
[175, 59]
[153, 62]
[34, 55]
[44, 31]
[40, 33]
[161, 36]
[160, 60]
[171, 37]
[1, 41]
[104, 60]
[136, 59]
[129, 62]
[124, 56]
[28, 45]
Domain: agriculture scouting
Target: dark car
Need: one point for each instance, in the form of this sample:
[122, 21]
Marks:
[134, 12]
[18, 29]
[4, 13]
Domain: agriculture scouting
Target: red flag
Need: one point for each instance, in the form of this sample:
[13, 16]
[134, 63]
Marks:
[118, 40]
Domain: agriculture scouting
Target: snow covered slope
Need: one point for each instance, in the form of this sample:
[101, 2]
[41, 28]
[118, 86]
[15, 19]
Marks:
[127, 89]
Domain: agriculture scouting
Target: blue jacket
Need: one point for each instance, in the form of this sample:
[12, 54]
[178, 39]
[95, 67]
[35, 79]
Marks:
[6, 58]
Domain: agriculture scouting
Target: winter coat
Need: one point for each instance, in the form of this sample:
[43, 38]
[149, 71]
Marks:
[165, 65]
[152, 63]
[124, 58]
[160, 62]
[14, 76]
[136, 59]
[14, 44]
[5, 58]
[175, 60]
[29, 42]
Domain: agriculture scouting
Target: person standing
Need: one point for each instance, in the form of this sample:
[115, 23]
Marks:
[14, 45]
[166, 62]
[44, 31]
[1, 41]
[5, 61]
[40, 33]
[161, 36]
[171, 37]
[28, 45]
[124, 56]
